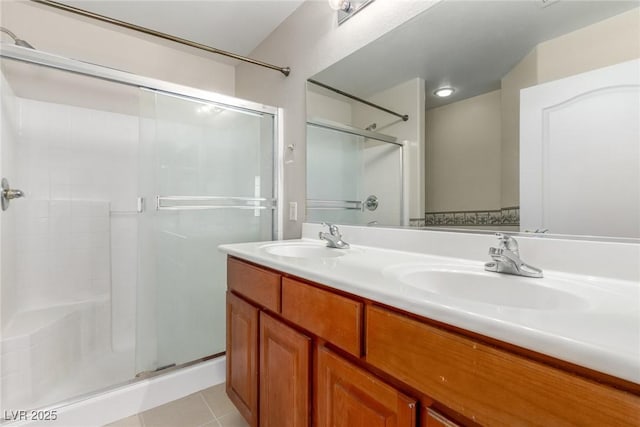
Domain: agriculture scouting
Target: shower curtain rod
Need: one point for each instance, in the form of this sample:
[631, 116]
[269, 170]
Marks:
[404, 117]
[86, 13]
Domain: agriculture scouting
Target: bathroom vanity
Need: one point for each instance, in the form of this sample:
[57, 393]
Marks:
[306, 352]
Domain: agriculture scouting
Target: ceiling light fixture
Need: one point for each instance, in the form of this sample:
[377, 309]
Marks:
[343, 5]
[443, 92]
[347, 8]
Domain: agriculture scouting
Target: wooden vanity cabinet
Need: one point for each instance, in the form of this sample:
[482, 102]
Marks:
[301, 354]
[273, 337]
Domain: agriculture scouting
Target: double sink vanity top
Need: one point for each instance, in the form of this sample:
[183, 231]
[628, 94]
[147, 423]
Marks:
[589, 321]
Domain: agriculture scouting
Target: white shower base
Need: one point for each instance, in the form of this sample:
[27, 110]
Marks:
[53, 353]
[130, 399]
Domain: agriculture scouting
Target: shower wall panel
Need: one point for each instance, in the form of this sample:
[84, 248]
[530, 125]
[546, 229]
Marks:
[80, 166]
[63, 251]
[9, 116]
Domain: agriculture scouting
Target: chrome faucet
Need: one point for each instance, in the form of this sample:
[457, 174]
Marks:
[506, 259]
[333, 237]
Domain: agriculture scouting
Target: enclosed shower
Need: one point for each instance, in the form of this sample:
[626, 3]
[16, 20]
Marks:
[109, 263]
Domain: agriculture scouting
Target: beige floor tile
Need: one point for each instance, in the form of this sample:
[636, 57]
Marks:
[218, 401]
[132, 421]
[190, 411]
[233, 419]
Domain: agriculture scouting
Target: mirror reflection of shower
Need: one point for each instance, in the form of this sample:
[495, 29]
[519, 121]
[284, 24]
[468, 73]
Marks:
[17, 40]
[356, 147]
[354, 176]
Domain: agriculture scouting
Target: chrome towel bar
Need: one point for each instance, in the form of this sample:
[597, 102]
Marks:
[176, 203]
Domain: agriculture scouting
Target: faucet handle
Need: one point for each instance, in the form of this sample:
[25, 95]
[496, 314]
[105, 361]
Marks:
[507, 242]
[333, 229]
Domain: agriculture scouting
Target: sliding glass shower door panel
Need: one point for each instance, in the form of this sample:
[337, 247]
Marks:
[207, 175]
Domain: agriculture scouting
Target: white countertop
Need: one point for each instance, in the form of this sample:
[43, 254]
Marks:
[601, 333]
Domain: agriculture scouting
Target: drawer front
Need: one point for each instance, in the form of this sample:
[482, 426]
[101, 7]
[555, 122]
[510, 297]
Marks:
[254, 283]
[335, 318]
[487, 385]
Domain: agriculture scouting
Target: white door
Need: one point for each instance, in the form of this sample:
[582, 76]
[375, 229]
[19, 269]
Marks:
[580, 153]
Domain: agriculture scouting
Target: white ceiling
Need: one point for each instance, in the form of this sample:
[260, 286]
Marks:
[237, 26]
[469, 45]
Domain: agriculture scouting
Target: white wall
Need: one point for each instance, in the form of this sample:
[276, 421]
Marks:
[322, 104]
[310, 41]
[105, 44]
[524, 74]
[463, 155]
[604, 43]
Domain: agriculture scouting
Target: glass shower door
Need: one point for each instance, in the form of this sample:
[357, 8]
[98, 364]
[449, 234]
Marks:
[207, 179]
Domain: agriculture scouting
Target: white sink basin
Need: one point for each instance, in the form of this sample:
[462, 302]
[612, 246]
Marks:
[301, 250]
[473, 284]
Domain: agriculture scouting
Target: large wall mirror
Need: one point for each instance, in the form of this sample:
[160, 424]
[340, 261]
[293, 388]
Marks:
[541, 132]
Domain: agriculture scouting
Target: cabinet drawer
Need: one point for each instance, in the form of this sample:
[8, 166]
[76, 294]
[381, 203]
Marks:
[488, 385]
[335, 318]
[254, 283]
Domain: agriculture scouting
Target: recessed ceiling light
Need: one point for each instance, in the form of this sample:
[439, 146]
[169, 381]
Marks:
[443, 92]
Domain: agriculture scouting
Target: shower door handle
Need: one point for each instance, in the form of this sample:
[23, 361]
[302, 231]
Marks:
[7, 194]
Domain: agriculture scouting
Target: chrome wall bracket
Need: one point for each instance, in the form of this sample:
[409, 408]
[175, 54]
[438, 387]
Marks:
[7, 194]
[353, 7]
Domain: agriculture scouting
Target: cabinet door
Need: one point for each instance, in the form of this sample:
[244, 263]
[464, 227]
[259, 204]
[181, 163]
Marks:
[242, 357]
[348, 396]
[284, 375]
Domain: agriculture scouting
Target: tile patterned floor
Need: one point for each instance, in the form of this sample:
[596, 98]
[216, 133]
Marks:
[207, 408]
